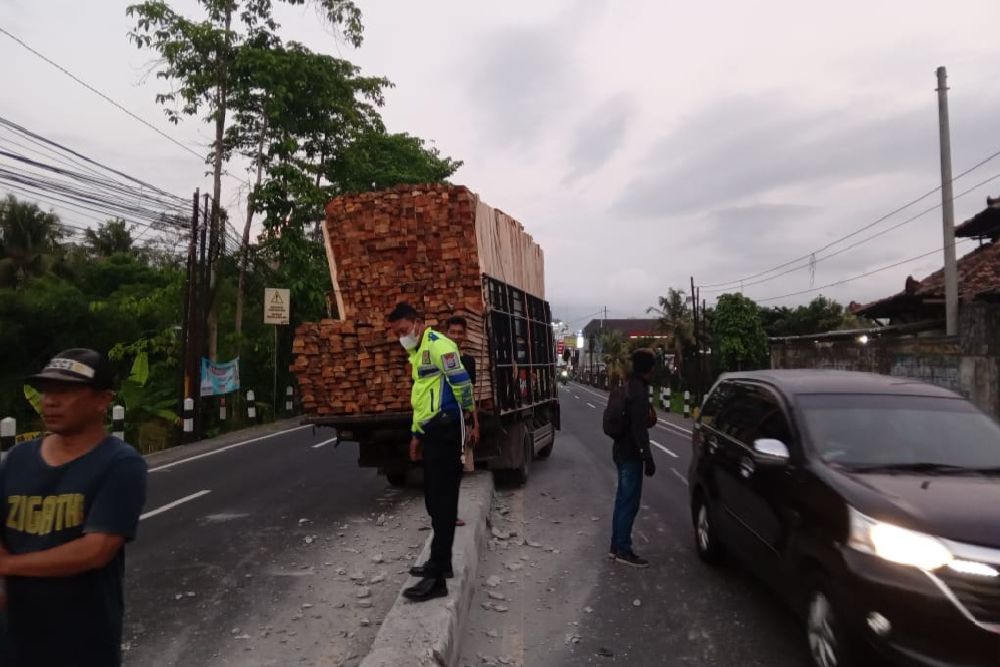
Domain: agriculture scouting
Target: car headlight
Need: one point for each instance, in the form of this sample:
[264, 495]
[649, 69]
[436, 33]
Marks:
[897, 544]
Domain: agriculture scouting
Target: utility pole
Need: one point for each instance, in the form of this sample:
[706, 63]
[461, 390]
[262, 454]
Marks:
[189, 327]
[697, 339]
[947, 208]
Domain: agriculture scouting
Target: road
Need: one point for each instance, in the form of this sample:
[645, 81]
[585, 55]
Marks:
[566, 604]
[261, 552]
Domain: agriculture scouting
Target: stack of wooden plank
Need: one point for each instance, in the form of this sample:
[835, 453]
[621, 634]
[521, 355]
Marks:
[428, 245]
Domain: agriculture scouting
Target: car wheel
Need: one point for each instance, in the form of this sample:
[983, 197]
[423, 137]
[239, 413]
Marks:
[829, 644]
[705, 538]
[396, 479]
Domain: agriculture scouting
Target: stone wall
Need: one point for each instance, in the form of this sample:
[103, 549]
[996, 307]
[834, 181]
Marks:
[968, 365]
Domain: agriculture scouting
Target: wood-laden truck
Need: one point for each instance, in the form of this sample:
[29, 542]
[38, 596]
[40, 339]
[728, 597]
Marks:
[447, 253]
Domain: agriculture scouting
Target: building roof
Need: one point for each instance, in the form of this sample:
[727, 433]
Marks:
[978, 276]
[630, 328]
[796, 382]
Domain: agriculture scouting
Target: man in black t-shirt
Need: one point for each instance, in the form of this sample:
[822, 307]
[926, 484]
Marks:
[69, 502]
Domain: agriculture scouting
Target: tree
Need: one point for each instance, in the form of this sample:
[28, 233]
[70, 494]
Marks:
[294, 110]
[198, 58]
[29, 242]
[821, 315]
[676, 321]
[615, 355]
[110, 238]
[738, 335]
[376, 161]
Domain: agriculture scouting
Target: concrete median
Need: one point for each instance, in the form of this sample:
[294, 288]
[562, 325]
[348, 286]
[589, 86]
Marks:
[429, 633]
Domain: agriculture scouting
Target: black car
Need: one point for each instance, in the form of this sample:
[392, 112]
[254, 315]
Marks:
[872, 503]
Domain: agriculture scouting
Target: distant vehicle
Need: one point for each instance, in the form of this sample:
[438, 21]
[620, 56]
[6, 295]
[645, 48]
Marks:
[871, 503]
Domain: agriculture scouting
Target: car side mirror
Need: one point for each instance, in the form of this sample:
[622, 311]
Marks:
[771, 452]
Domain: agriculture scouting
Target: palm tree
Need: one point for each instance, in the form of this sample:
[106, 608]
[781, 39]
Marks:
[675, 321]
[29, 241]
[615, 355]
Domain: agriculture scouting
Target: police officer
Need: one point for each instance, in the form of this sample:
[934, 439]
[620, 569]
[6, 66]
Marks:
[442, 392]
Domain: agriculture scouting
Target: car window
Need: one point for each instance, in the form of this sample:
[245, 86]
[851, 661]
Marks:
[859, 430]
[715, 402]
[753, 413]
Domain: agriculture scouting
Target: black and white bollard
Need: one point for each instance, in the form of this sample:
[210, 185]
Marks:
[188, 418]
[666, 398]
[687, 404]
[251, 406]
[8, 435]
[222, 408]
[118, 421]
[289, 403]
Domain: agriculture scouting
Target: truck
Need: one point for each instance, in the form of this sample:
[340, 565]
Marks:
[445, 251]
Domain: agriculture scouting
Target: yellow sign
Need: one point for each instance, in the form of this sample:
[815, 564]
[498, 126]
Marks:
[569, 342]
[277, 306]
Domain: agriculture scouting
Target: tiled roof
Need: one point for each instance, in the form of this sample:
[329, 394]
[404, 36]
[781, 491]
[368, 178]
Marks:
[978, 272]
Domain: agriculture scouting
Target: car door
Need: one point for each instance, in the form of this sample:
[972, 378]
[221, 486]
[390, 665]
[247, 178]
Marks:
[734, 424]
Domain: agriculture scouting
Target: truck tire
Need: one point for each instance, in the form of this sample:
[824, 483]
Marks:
[521, 472]
[396, 479]
[546, 451]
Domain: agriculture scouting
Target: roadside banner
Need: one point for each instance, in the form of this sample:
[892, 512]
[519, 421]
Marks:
[219, 378]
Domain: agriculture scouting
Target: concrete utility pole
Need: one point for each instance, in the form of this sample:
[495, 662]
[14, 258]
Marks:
[947, 208]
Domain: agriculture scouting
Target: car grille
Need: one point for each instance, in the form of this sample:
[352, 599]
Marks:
[979, 595]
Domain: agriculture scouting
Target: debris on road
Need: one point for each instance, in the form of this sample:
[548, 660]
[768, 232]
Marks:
[493, 581]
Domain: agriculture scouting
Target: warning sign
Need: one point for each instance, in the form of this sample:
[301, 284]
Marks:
[277, 306]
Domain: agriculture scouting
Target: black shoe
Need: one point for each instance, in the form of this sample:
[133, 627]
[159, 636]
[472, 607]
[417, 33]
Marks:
[630, 559]
[431, 570]
[428, 589]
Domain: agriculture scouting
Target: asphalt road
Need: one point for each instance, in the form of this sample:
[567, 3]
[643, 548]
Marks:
[244, 555]
[570, 605]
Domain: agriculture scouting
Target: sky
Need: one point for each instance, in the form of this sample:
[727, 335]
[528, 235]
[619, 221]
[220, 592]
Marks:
[641, 143]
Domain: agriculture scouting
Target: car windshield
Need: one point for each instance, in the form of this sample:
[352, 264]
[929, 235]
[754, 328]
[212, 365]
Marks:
[906, 432]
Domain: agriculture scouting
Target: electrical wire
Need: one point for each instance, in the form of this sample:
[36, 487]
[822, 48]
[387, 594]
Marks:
[858, 277]
[729, 284]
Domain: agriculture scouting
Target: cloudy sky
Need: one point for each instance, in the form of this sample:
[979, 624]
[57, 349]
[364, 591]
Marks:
[641, 142]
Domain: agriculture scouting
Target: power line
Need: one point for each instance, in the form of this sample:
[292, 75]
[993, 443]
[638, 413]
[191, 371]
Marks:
[814, 261]
[735, 283]
[201, 157]
[859, 277]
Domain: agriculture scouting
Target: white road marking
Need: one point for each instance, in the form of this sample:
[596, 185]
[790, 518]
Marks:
[576, 397]
[170, 506]
[325, 442]
[227, 447]
[672, 425]
[680, 476]
[643, 536]
[664, 449]
[592, 405]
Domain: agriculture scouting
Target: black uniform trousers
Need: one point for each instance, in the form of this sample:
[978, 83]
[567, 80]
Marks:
[442, 451]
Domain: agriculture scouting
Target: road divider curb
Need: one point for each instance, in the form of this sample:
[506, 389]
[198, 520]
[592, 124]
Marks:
[430, 633]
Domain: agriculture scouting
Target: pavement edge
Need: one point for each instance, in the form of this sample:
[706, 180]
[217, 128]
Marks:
[430, 633]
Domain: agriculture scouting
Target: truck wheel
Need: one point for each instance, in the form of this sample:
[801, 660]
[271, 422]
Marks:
[396, 479]
[546, 451]
[521, 473]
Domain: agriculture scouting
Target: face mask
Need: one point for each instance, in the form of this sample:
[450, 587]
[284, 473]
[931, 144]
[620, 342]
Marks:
[409, 341]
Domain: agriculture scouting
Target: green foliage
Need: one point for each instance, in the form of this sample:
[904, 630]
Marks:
[615, 355]
[376, 161]
[821, 315]
[675, 320]
[110, 238]
[29, 242]
[739, 339]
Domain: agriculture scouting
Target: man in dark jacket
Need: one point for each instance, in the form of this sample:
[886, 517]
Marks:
[633, 457]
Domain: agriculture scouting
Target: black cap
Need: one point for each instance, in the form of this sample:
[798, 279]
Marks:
[77, 366]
